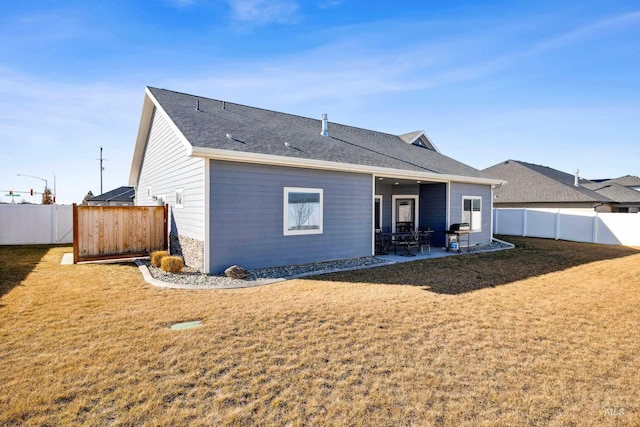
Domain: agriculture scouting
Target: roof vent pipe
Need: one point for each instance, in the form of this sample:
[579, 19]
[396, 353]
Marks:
[325, 125]
[198, 105]
[224, 105]
[575, 180]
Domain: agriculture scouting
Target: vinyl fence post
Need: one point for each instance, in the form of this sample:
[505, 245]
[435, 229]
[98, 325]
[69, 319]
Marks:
[75, 234]
[595, 229]
[524, 222]
[557, 233]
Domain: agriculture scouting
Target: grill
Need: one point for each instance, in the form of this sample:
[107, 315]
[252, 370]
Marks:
[455, 234]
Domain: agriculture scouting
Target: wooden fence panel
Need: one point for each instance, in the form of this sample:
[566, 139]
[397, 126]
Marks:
[111, 232]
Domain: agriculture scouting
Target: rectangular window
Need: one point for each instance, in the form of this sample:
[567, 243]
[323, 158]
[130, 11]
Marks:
[302, 211]
[179, 197]
[472, 212]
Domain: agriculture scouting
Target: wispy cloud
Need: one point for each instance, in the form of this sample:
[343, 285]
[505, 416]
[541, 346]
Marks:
[182, 3]
[264, 11]
[329, 4]
[586, 32]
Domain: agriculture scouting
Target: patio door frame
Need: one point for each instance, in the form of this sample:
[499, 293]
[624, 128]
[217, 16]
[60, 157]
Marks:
[416, 210]
[377, 198]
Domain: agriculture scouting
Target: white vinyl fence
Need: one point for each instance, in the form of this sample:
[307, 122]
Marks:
[35, 224]
[581, 226]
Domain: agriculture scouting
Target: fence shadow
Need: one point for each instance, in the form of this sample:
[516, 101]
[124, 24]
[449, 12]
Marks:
[16, 262]
[460, 274]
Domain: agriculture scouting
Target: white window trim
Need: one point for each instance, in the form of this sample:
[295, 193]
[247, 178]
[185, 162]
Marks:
[285, 215]
[377, 197]
[181, 192]
[416, 209]
[479, 230]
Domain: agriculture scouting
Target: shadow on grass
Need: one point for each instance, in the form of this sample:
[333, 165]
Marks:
[16, 262]
[470, 272]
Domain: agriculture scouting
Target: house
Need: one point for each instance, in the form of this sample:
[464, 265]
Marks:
[261, 188]
[121, 196]
[629, 181]
[534, 186]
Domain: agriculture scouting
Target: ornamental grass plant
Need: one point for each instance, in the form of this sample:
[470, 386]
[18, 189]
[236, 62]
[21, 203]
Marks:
[156, 258]
[172, 264]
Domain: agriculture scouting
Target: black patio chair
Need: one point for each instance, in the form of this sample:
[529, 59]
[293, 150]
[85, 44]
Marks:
[424, 240]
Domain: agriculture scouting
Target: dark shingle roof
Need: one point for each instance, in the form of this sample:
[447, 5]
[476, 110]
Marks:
[530, 183]
[255, 130]
[120, 194]
[625, 181]
[614, 191]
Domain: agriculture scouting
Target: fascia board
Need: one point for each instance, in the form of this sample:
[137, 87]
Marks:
[430, 141]
[151, 103]
[270, 159]
[423, 134]
[141, 139]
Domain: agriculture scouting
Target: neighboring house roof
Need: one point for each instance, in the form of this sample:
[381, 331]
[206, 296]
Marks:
[625, 181]
[120, 194]
[614, 191]
[530, 183]
[227, 131]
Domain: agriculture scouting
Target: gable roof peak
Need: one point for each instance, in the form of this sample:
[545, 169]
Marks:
[419, 138]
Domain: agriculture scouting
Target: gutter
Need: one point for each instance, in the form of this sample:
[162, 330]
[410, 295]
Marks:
[270, 159]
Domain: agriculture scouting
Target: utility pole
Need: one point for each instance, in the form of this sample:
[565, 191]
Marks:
[101, 169]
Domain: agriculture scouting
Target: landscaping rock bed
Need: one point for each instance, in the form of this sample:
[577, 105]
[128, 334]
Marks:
[190, 276]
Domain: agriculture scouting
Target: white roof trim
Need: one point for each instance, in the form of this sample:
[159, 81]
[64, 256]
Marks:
[149, 105]
[270, 159]
[424, 139]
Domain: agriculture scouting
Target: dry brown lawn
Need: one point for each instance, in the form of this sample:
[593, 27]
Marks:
[546, 334]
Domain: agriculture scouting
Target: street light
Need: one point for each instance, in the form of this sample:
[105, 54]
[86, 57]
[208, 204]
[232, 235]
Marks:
[36, 177]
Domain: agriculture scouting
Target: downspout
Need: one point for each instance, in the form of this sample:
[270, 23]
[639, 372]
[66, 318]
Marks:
[207, 220]
[448, 205]
[373, 215]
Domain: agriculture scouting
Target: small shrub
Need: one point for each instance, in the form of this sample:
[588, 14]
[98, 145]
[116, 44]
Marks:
[156, 257]
[172, 264]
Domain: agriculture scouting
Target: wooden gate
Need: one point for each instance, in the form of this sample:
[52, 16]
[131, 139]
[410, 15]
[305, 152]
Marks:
[112, 232]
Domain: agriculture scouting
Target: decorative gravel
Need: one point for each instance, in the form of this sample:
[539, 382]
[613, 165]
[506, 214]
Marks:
[493, 246]
[258, 277]
[190, 277]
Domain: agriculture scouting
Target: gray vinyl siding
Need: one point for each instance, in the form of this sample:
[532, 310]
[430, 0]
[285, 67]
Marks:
[246, 214]
[433, 210]
[165, 168]
[457, 191]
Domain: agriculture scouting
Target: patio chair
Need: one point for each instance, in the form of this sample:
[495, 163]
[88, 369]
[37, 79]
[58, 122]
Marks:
[424, 240]
[382, 243]
[413, 241]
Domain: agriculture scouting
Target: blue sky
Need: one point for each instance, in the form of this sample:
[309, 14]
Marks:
[547, 82]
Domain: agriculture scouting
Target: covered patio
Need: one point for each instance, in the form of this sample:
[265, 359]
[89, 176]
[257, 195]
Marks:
[403, 205]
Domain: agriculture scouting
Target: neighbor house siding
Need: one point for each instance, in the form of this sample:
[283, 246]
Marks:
[246, 214]
[165, 168]
[457, 191]
[433, 210]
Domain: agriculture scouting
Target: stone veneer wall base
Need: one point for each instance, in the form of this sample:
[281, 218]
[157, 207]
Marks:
[191, 250]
